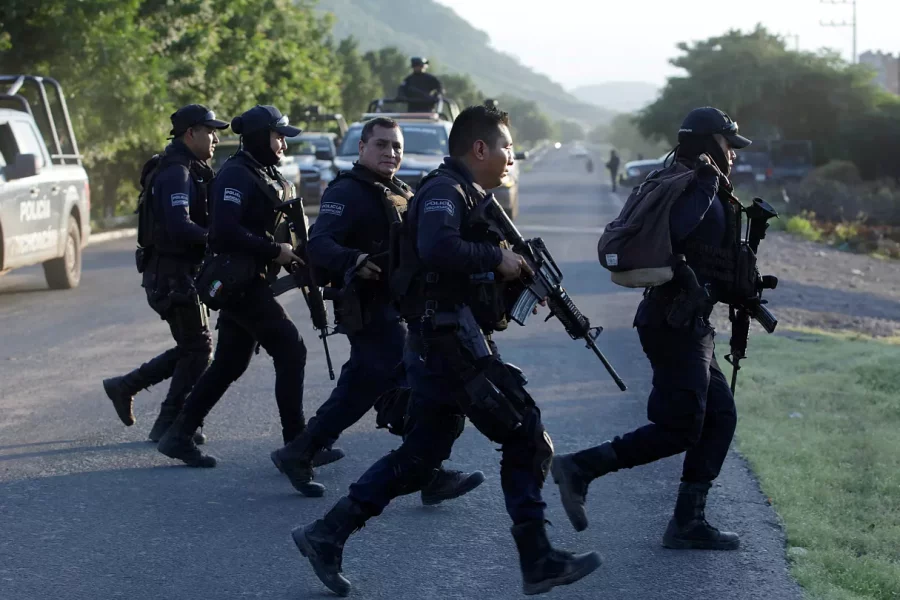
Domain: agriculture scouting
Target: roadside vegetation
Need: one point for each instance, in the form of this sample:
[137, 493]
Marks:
[819, 423]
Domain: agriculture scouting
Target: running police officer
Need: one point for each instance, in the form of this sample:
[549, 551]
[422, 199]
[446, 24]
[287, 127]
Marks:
[244, 196]
[420, 87]
[172, 239]
[691, 407]
[350, 242]
[452, 269]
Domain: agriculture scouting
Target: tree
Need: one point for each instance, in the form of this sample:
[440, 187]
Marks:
[389, 66]
[569, 131]
[528, 123]
[358, 83]
[772, 92]
[461, 89]
[126, 65]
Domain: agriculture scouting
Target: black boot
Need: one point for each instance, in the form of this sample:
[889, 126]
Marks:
[544, 567]
[573, 472]
[324, 456]
[295, 461]
[121, 391]
[178, 442]
[322, 542]
[688, 529]
[447, 485]
[167, 416]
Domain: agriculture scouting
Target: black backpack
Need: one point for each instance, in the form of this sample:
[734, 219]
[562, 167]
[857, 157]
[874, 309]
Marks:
[636, 247]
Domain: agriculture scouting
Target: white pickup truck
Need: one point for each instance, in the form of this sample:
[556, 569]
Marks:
[44, 192]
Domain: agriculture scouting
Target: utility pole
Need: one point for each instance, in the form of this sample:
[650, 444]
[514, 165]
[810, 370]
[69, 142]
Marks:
[851, 23]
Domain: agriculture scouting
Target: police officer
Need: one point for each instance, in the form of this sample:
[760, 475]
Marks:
[420, 87]
[350, 242]
[691, 407]
[447, 254]
[244, 196]
[172, 238]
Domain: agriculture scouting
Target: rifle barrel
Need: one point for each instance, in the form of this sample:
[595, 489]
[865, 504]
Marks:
[612, 372]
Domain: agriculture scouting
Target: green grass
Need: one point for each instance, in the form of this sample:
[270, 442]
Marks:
[832, 470]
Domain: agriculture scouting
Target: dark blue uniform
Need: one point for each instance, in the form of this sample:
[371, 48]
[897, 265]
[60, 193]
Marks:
[352, 221]
[177, 238]
[691, 407]
[244, 221]
[437, 218]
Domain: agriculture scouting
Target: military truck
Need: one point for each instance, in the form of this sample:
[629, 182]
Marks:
[44, 190]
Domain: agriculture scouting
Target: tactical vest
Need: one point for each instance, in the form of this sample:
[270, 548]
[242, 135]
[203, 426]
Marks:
[418, 291]
[394, 203]
[717, 264]
[152, 235]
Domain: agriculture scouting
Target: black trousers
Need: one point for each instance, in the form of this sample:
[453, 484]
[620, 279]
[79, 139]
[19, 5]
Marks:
[691, 408]
[256, 319]
[189, 324]
[375, 353]
[436, 421]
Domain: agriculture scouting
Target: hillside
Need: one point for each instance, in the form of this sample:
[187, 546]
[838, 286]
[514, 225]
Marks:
[620, 96]
[423, 27]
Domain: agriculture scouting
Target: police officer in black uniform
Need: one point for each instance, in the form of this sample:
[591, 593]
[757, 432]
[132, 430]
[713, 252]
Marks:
[244, 218]
[420, 87]
[446, 256]
[172, 239]
[350, 242]
[691, 407]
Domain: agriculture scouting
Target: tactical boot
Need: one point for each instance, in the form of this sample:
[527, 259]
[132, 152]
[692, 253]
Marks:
[573, 472]
[167, 415]
[543, 566]
[688, 529]
[322, 542]
[121, 391]
[324, 456]
[178, 442]
[295, 461]
[447, 485]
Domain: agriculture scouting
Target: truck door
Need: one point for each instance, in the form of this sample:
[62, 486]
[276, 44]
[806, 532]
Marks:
[39, 209]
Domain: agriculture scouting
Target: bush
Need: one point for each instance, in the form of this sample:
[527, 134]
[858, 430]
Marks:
[842, 171]
[803, 227]
[875, 203]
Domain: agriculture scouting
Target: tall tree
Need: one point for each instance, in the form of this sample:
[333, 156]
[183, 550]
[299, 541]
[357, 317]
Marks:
[390, 66]
[358, 83]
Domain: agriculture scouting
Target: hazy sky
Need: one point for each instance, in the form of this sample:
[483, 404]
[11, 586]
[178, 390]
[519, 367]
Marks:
[579, 42]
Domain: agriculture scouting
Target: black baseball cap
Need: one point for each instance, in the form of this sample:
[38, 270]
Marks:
[194, 114]
[417, 61]
[264, 117]
[709, 121]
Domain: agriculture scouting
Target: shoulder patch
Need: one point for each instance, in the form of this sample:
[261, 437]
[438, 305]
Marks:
[440, 205]
[232, 195]
[180, 199]
[331, 208]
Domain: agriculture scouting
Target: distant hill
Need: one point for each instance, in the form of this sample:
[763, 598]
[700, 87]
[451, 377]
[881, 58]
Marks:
[620, 96]
[423, 27]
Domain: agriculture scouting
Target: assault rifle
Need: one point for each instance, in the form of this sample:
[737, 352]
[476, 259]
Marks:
[545, 283]
[300, 276]
[740, 314]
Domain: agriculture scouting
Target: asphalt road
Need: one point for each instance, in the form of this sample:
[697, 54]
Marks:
[89, 510]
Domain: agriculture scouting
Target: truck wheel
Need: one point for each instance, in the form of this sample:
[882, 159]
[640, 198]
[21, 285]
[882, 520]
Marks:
[65, 272]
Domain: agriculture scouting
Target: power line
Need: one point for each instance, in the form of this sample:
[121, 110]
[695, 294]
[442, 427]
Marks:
[851, 23]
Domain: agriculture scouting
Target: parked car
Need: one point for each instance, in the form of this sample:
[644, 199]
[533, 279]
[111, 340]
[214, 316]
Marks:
[312, 154]
[636, 171]
[45, 196]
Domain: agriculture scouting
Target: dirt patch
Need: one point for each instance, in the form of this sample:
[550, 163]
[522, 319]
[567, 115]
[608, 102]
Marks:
[819, 286]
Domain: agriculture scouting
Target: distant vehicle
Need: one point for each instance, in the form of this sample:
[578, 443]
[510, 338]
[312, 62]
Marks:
[426, 143]
[313, 156]
[751, 166]
[45, 197]
[636, 171]
[579, 151]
